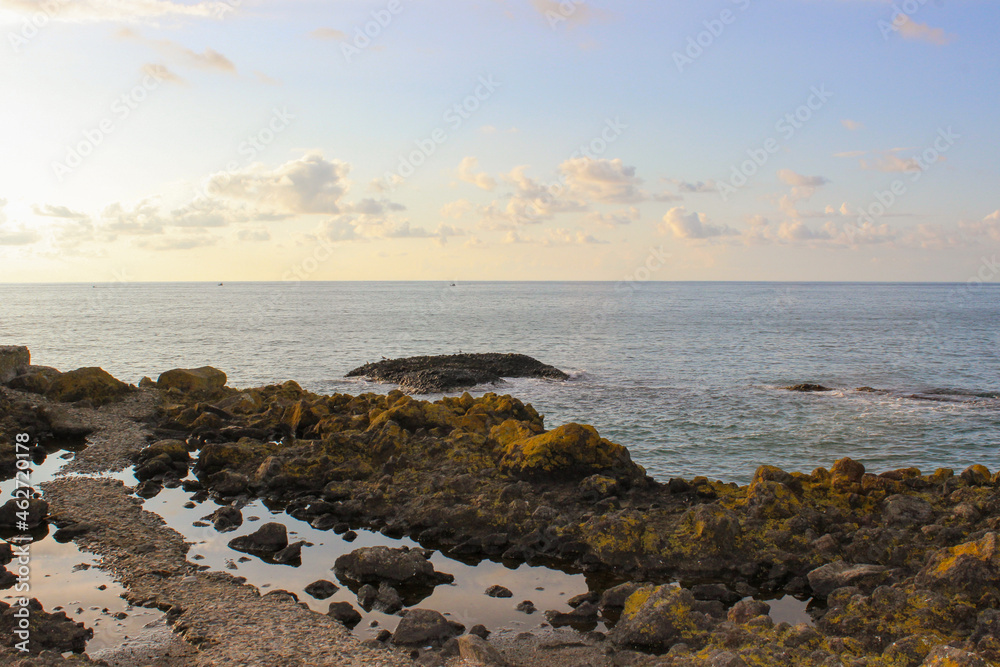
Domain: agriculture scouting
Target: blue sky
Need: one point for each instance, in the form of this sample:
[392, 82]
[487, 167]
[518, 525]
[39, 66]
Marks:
[257, 140]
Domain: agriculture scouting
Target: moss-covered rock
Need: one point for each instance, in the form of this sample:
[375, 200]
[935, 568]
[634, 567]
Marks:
[657, 617]
[87, 384]
[968, 569]
[205, 380]
[572, 450]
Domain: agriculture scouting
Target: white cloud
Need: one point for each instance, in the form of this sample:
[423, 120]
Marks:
[114, 10]
[15, 236]
[467, 173]
[308, 185]
[692, 225]
[602, 181]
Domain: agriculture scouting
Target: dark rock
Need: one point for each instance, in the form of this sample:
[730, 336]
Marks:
[63, 424]
[345, 613]
[148, 489]
[72, 531]
[33, 513]
[614, 598]
[475, 650]
[807, 387]
[426, 375]
[583, 617]
[498, 591]
[14, 361]
[226, 518]
[479, 631]
[526, 606]
[743, 611]
[228, 483]
[424, 626]
[394, 566]
[715, 592]
[268, 539]
[48, 632]
[322, 589]
[903, 510]
[290, 555]
[838, 574]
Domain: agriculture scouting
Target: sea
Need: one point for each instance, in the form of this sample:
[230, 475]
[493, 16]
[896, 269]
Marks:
[690, 377]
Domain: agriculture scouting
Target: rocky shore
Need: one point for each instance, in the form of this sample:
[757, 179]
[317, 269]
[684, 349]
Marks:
[903, 566]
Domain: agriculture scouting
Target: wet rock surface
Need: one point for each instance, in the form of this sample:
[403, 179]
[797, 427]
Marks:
[428, 375]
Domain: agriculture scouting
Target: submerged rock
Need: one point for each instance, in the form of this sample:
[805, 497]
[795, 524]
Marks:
[427, 375]
[808, 387]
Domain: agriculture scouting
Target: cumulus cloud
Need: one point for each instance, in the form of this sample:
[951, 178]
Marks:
[602, 180]
[457, 209]
[988, 227]
[308, 185]
[852, 125]
[693, 225]
[467, 172]
[115, 10]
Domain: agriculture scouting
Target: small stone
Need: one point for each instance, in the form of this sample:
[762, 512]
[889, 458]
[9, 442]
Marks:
[498, 591]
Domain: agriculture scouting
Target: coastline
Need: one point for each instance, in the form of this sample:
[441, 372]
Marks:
[901, 559]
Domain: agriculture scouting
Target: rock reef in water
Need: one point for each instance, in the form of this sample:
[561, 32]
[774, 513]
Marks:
[429, 375]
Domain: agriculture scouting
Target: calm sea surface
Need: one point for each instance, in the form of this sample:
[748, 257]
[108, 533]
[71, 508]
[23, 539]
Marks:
[687, 375]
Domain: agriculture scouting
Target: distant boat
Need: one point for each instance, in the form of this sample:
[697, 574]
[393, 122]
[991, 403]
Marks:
[220, 284]
[454, 285]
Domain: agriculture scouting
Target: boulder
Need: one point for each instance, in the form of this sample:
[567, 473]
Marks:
[615, 597]
[901, 510]
[345, 613]
[425, 626]
[572, 450]
[14, 360]
[195, 380]
[657, 617]
[268, 539]
[33, 514]
[477, 652]
[403, 566]
[290, 555]
[63, 423]
[970, 568]
[87, 384]
[838, 574]
[949, 656]
[745, 610]
[35, 380]
[846, 471]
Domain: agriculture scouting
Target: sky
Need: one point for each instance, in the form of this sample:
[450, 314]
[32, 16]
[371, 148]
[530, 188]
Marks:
[270, 140]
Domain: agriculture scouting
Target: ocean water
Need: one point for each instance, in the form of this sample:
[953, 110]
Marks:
[687, 375]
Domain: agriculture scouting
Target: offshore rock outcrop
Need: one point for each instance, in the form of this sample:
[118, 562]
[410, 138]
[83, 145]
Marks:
[430, 375]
